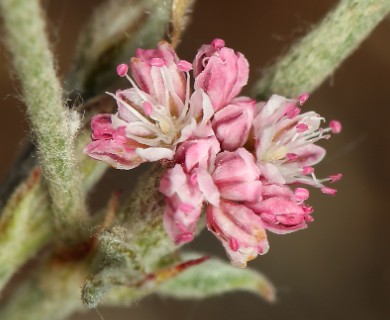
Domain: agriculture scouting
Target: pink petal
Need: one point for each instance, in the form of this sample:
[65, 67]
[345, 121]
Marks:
[237, 166]
[234, 221]
[183, 204]
[241, 191]
[200, 107]
[145, 68]
[223, 75]
[233, 122]
[207, 187]
[271, 173]
[116, 154]
[280, 215]
[197, 153]
[102, 127]
[309, 155]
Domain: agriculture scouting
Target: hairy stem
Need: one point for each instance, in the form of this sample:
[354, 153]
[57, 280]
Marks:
[54, 127]
[312, 59]
[25, 225]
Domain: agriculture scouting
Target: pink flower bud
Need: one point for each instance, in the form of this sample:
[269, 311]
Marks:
[152, 82]
[240, 230]
[183, 204]
[232, 123]
[220, 72]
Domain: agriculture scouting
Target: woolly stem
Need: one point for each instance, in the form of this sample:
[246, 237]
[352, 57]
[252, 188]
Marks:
[53, 293]
[25, 225]
[54, 127]
[312, 59]
[135, 244]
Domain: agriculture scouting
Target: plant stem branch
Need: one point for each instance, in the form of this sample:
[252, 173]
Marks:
[54, 127]
[317, 55]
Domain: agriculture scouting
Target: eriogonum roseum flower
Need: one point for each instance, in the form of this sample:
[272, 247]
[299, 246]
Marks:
[285, 142]
[180, 186]
[239, 205]
[241, 231]
[154, 115]
[204, 133]
[282, 210]
[222, 73]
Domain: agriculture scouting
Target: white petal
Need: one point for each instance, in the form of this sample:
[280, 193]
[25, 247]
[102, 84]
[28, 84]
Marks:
[154, 154]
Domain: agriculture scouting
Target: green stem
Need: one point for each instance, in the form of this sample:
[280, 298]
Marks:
[317, 55]
[54, 127]
[25, 225]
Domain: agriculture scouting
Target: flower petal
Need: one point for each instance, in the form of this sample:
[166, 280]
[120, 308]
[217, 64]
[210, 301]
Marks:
[154, 154]
[223, 75]
[240, 230]
[183, 204]
[233, 122]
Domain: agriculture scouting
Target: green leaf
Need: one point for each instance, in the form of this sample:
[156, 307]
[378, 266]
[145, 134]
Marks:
[215, 277]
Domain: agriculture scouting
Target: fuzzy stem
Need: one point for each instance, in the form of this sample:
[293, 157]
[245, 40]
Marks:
[312, 59]
[25, 225]
[53, 293]
[54, 126]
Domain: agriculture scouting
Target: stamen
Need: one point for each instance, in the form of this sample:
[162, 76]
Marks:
[148, 124]
[317, 183]
[183, 65]
[166, 86]
[328, 191]
[293, 112]
[303, 98]
[218, 43]
[171, 92]
[307, 170]
[302, 127]
[335, 177]
[134, 85]
[187, 99]
[122, 69]
[335, 126]
[149, 142]
[301, 194]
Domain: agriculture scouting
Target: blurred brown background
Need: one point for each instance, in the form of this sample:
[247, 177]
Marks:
[339, 268]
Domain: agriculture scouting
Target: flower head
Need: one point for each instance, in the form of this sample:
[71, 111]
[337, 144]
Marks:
[155, 114]
[244, 163]
[285, 141]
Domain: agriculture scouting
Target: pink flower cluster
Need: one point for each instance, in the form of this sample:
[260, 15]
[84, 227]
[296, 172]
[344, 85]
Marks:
[242, 162]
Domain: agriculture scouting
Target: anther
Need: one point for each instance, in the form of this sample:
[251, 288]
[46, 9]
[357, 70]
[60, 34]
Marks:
[122, 69]
[218, 43]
